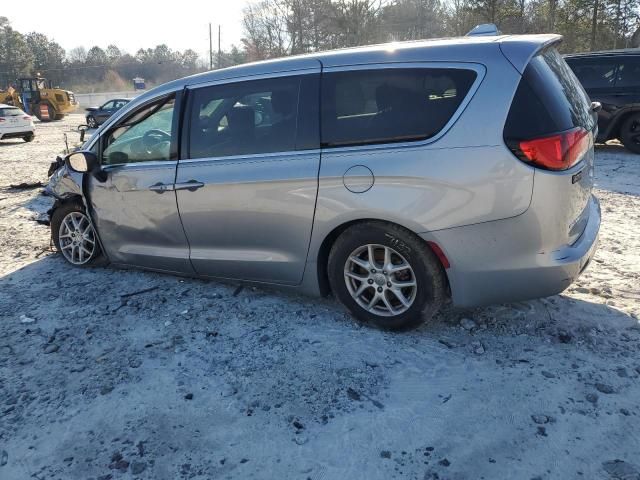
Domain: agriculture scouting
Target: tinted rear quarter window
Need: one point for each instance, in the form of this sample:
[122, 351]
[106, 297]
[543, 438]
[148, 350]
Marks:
[549, 99]
[390, 105]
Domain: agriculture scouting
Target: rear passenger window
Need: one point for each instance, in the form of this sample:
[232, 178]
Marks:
[245, 118]
[391, 105]
[599, 73]
[629, 72]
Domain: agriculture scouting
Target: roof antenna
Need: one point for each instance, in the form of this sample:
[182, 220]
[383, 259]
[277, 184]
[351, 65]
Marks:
[484, 29]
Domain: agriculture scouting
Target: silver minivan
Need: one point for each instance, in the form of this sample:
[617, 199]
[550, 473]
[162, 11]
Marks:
[395, 176]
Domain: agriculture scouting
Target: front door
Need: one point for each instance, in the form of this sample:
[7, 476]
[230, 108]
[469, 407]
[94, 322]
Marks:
[248, 177]
[134, 203]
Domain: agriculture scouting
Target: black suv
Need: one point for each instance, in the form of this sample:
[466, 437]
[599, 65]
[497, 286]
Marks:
[613, 79]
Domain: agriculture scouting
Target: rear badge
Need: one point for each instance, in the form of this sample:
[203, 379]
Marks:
[577, 177]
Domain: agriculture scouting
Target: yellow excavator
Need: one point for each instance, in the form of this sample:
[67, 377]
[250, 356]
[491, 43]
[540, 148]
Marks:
[38, 97]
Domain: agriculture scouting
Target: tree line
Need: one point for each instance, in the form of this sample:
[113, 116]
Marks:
[94, 69]
[274, 28]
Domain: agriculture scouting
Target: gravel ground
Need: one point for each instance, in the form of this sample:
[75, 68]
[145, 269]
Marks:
[203, 380]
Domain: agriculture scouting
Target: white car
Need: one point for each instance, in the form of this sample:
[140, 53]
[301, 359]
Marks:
[14, 123]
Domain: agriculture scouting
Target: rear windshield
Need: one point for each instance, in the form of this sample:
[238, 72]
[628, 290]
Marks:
[10, 112]
[549, 99]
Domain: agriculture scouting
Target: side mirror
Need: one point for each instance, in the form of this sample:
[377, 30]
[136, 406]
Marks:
[596, 107]
[82, 162]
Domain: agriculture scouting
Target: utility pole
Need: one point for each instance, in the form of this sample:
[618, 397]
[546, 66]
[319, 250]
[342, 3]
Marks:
[210, 48]
[219, 51]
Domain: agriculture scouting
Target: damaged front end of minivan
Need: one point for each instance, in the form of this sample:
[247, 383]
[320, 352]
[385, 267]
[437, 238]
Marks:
[65, 184]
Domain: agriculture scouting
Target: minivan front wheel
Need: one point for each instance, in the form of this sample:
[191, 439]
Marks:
[386, 275]
[74, 236]
[630, 133]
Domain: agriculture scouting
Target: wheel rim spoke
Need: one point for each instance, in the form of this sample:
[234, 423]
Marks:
[387, 304]
[398, 294]
[408, 283]
[361, 263]
[373, 301]
[399, 268]
[356, 276]
[372, 258]
[387, 258]
[362, 288]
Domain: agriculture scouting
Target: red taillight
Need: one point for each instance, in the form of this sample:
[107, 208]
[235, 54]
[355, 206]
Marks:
[557, 152]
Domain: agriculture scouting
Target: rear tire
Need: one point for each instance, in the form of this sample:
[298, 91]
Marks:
[52, 113]
[630, 133]
[74, 236]
[404, 284]
[28, 138]
[91, 122]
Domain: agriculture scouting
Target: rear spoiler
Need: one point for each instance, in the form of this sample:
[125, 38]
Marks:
[520, 49]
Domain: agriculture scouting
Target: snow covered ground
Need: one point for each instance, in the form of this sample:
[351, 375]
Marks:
[205, 380]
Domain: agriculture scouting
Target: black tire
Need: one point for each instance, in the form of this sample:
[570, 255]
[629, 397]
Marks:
[28, 138]
[97, 259]
[427, 271]
[91, 122]
[52, 113]
[630, 133]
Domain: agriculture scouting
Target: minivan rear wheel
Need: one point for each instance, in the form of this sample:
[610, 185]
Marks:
[630, 133]
[386, 275]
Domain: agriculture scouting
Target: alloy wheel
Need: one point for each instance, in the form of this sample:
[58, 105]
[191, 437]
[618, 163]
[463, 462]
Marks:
[380, 280]
[77, 238]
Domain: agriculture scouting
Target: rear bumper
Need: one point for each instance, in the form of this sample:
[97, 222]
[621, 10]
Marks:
[23, 132]
[494, 262]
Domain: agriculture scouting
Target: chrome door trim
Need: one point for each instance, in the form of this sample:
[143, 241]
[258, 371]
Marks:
[253, 157]
[479, 68]
[139, 165]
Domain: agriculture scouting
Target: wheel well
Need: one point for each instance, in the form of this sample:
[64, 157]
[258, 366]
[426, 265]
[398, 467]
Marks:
[60, 202]
[329, 240]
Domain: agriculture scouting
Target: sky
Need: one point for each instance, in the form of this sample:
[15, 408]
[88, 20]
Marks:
[132, 24]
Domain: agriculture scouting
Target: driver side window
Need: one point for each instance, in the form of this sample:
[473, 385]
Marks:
[143, 136]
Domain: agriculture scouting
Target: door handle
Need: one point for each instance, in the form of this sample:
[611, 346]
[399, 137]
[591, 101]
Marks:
[162, 187]
[191, 185]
